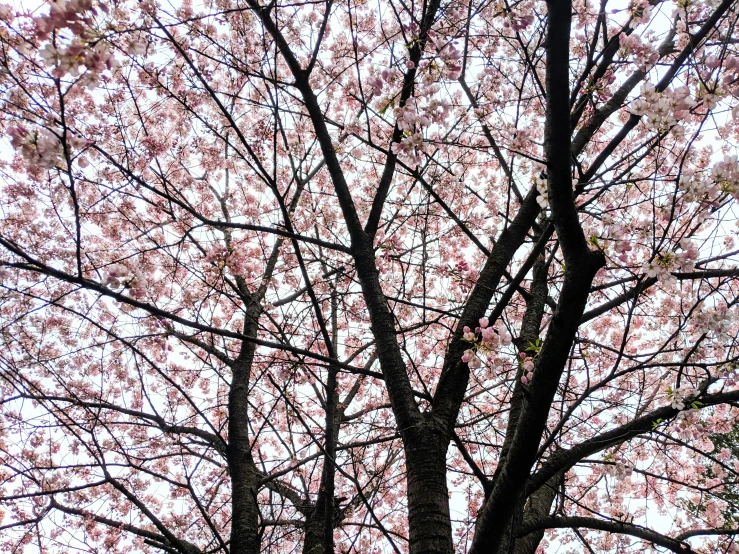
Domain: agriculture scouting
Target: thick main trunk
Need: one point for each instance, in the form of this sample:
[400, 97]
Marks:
[313, 543]
[428, 495]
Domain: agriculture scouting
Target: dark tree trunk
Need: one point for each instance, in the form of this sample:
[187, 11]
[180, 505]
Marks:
[245, 537]
[428, 495]
[313, 543]
[538, 506]
[528, 336]
[320, 521]
[581, 264]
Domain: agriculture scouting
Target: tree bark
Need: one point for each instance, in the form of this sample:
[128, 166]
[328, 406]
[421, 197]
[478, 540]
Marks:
[538, 506]
[245, 537]
[429, 521]
[320, 521]
[529, 334]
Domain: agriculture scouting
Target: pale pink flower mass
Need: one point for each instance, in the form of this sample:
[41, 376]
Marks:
[304, 276]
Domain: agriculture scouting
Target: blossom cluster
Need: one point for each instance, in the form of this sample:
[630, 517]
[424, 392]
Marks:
[623, 248]
[517, 22]
[82, 49]
[619, 469]
[420, 112]
[416, 116]
[717, 321]
[730, 69]
[541, 187]
[697, 186]
[681, 396]
[121, 276]
[410, 148]
[448, 54]
[71, 58]
[725, 174]
[688, 425]
[730, 374]
[664, 264]
[297, 375]
[708, 185]
[645, 54]
[527, 365]
[619, 234]
[217, 255]
[455, 13]
[663, 110]
[75, 15]
[484, 338]
[238, 261]
[376, 83]
[641, 11]
[41, 147]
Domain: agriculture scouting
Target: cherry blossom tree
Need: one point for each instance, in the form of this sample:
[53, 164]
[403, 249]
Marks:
[364, 277]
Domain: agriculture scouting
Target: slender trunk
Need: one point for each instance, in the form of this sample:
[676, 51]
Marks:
[528, 337]
[319, 524]
[534, 508]
[538, 506]
[245, 537]
[581, 266]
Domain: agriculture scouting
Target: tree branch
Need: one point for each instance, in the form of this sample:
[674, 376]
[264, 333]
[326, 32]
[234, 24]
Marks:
[675, 545]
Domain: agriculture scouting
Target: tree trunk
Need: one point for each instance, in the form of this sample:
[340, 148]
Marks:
[313, 543]
[245, 537]
[319, 523]
[538, 506]
[528, 336]
[428, 496]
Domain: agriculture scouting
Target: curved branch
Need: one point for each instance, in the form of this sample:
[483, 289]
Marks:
[650, 281]
[154, 539]
[621, 527]
[563, 460]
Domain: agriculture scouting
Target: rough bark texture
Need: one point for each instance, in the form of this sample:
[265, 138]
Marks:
[428, 495]
[244, 477]
[538, 506]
